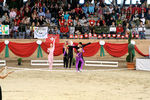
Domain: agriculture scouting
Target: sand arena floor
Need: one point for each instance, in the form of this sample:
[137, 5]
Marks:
[71, 85]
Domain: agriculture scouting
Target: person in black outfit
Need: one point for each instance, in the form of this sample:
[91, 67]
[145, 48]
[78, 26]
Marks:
[70, 51]
[65, 54]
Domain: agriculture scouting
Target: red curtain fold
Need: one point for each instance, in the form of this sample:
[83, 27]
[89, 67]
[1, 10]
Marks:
[91, 49]
[23, 49]
[140, 51]
[58, 48]
[2, 46]
[116, 50]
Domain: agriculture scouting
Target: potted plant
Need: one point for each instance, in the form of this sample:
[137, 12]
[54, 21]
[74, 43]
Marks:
[131, 54]
[19, 61]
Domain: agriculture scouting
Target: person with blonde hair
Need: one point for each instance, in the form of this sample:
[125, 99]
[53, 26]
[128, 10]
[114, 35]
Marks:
[51, 53]
[2, 77]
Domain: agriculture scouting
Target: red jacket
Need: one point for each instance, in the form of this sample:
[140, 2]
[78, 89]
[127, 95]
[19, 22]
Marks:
[64, 29]
[77, 10]
[92, 22]
[119, 29]
[61, 22]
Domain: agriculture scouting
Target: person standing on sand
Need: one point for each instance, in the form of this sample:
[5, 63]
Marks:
[51, 53]
[2, 77]
[65, 54]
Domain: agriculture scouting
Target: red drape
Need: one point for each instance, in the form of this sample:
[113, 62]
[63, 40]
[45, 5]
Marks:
[58, 48]
[140, 51]
[23, 49]
[91, 49]
[2, 46]
[116, 50]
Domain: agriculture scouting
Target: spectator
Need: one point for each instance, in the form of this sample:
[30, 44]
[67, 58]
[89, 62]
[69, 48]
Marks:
[33, 19]
[68, 8]
[20, 13]
[4, 17]
[119, 29]
[76, 21]
[135, 18]
[91, 9]
[28, 32]
[119, 21]
[69, 21]
[48, 16]
[85, 28]
[100, 11]
[17, 20]
[41, 13]
[85, 10]
[35, 8]
[71, 29]
[141, 30]
[101, 21]
[112, 28]
[64, 31]
[92, 22]
[27, 13]
[66, 16]
[56, 31]
[78, 9]
[142, 16]
[82, 21]
[6, 8]
[134, 30]
[111, 21]
[111, 9]
[41, 20]
[127, 29]
[82, 14]
[15, 30]
[44, 8]
[12, 14]
[6, 21]
[98, 29]
[73, 14]
[61, 21]
[78, 29]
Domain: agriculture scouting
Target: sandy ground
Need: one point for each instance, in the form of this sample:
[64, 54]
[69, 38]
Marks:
[71, 85]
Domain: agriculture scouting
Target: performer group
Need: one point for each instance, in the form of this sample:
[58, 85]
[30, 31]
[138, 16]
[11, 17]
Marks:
[68, 54]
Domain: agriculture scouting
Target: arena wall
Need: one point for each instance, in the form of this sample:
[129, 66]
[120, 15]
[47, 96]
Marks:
[143, 45]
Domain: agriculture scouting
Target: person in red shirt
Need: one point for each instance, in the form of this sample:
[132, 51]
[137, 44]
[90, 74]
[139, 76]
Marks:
[130, 10]
[92, 22]
[17, 20]
[61, 21]
[78, 9]
[69, 21]
[64, 31]
[119, 29]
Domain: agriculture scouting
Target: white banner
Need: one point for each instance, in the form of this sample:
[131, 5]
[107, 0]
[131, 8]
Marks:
[4, 29]
[40, 32]
[143, 64]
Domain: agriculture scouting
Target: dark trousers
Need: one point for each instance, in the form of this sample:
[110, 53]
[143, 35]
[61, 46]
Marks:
[65, 62]
[0, 93]
[70, 61]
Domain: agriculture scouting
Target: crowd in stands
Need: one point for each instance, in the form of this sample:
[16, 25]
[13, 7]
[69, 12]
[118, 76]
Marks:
[94, 18]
